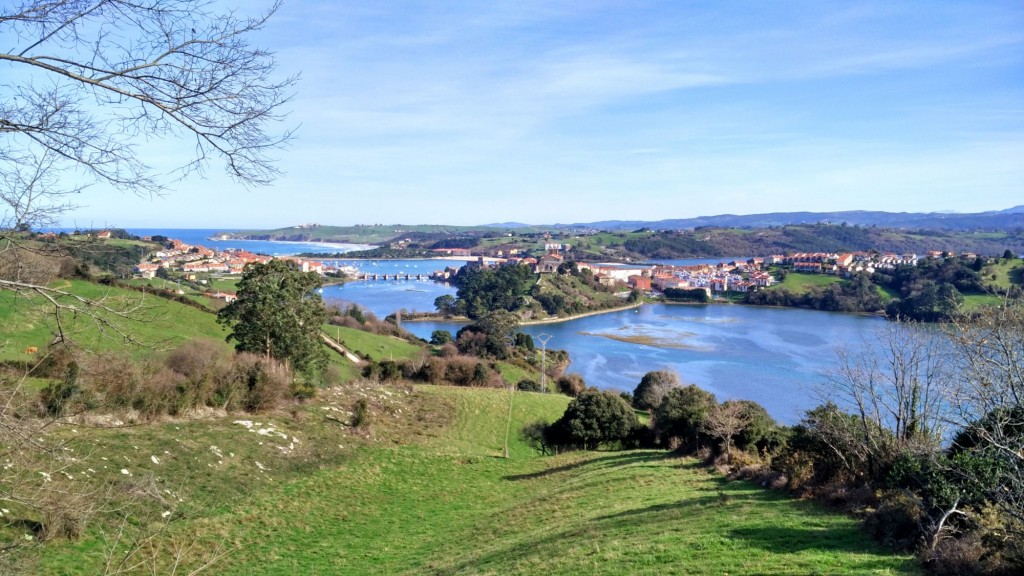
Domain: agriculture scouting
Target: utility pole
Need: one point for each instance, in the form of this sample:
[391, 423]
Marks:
[543, 360]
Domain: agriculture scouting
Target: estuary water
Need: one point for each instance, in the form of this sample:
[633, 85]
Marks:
[774, 356]
[204, 237]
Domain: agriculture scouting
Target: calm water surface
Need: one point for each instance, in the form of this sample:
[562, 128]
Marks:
[201, 237]
[774, 356]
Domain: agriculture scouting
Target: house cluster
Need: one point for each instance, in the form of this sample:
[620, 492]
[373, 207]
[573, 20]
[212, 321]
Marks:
[845, 264]
[191, 260]
[737, 276]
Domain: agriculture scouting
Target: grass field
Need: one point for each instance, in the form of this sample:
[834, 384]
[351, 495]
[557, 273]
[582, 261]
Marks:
[377, 347]
[425, 491]
[798, 283]
[1003, 273]
[155, 322]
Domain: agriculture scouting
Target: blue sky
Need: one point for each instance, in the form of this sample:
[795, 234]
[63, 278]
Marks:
[542, 112]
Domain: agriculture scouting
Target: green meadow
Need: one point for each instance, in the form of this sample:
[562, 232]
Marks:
[424, 490]
[102, 322]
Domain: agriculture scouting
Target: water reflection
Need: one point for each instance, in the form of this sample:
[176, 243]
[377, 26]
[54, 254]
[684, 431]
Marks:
[774, 356]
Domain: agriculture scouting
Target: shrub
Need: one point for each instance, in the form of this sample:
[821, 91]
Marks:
[159, 391]
[203, 364]
[594, 419]
[682, 414]
[264, 382]
[536, 434]
[527, 385]
[116, 377]
[440, 337]
[653, 387]
[433, 370]
[960, 556]
[332, 376]
[361, 414]
[57, 397]
[761, 433]
[460, 370]
[571, 384]
[895, 521]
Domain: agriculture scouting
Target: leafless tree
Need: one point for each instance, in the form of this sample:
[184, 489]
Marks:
[988, 405]
[84, 82]
[88, 78]
[896, 382]
[725, 421]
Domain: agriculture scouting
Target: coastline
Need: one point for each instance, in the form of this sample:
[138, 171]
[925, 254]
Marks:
[555, 320]
[581, 315]
[355, 247]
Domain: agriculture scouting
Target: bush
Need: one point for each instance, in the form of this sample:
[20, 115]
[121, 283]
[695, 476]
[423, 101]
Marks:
[653, 387]
[960, 556]
[115, 377]
[571, 384]
[536, 435]
[57, 397]
[440, 337]
[594, 419]
[361, 414]
[527, 385]
[264, 382]
[895, 521]
[682, 414]
[203, 365]
[433, 370]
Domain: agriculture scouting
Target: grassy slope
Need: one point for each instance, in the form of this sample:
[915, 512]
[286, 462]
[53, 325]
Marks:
[154, 321]
[447, 504]
[798, 283]
[377, 347]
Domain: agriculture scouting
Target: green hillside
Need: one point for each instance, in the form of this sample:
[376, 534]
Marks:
[152, 322]
[424, 490]
[361, 234]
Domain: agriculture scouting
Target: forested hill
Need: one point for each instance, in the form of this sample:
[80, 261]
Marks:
[814, 238]
[1011, 218]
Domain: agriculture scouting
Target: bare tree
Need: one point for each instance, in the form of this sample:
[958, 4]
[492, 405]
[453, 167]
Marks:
[897, 383]
[725, 421]
[988, 405]
[89, 77]
[84, 82]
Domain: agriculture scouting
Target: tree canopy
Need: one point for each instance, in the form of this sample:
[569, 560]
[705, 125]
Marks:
[278, 313]
[483, 290]
[653, 387]
[595, 418]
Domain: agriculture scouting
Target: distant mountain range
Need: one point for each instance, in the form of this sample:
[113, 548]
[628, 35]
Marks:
[1011, 218]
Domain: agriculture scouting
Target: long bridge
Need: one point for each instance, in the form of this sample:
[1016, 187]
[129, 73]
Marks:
[371, 276]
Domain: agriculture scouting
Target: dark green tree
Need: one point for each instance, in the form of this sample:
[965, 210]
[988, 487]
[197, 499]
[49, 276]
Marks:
[594, 419]
[278, 314]
[482, 290]
[653, 387]
[440, 337]
[682, 414]
[445, 304]
[492, 335]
